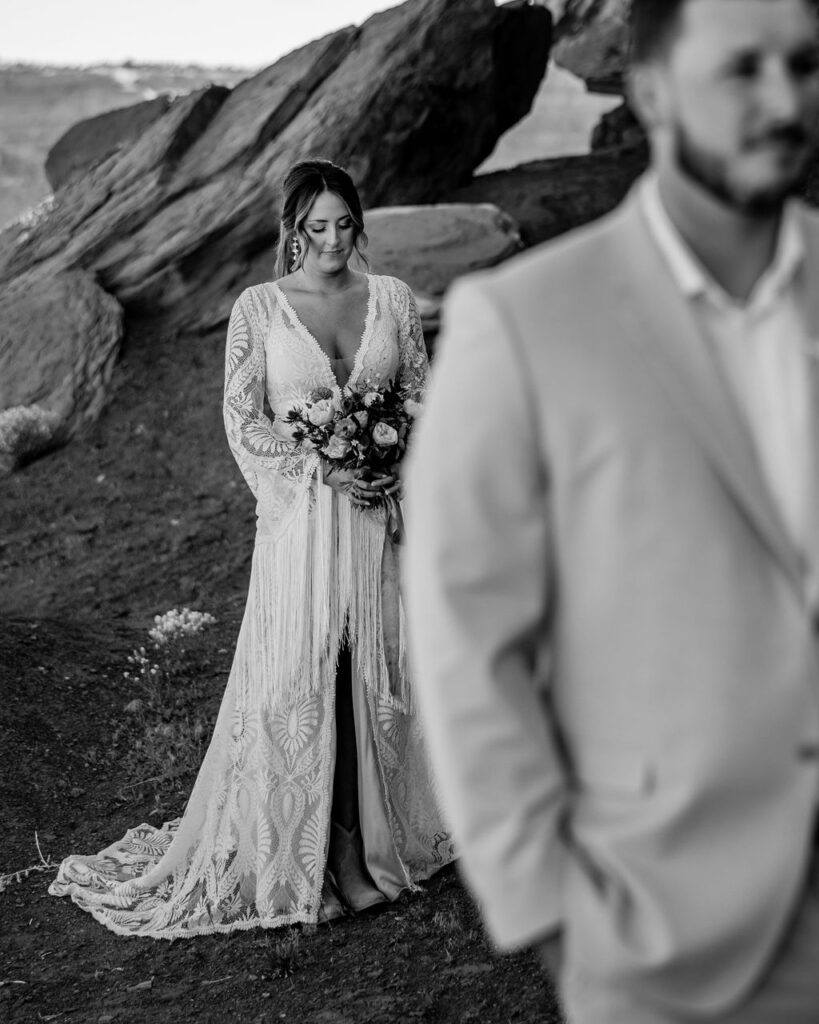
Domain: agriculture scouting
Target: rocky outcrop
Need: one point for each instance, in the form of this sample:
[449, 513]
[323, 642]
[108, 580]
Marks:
[429, 246]
[38, 104]
[592, 42]
[59, 339]
[548, 197]
[173, 219]
[177, 222]
[91, 141]
[618, 128]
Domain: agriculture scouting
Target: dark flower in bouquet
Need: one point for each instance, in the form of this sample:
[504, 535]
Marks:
[367, 431]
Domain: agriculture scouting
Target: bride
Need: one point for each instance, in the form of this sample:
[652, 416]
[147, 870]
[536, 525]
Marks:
[314, 797]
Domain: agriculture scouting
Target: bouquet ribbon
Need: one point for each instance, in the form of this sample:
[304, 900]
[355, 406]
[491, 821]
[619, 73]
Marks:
[391, 610]
[395, 520]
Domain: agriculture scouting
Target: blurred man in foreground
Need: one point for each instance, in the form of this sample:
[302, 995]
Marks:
[613, 560]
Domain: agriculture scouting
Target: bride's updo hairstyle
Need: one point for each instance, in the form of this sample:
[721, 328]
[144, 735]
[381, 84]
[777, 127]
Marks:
[303, 184]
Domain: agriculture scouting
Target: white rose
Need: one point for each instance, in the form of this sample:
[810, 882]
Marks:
[336, 448]
[384, 435]
[321, 413]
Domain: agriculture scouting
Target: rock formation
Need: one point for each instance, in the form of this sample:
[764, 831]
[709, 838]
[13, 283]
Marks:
[176, 221]
[592, 41]
[90, 142]
[429, 246]
[71, 330]
[618, 128]
[411, 102]
[59, 339]
[549, 197]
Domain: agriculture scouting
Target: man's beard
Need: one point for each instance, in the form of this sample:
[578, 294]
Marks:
[712, 174]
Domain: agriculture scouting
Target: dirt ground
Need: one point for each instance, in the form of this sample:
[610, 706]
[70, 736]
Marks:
[147, 513]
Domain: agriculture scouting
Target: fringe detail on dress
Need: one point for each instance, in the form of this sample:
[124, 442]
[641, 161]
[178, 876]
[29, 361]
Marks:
[326, 580]
[375, 611]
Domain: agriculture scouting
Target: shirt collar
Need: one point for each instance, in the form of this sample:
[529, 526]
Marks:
[693, 279]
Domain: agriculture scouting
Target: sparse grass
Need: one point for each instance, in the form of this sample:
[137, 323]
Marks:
[285, 958]
[45, 864]
[447, 922]
[448, 926]
[161, 739]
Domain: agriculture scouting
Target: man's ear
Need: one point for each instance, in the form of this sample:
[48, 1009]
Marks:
[647, 93]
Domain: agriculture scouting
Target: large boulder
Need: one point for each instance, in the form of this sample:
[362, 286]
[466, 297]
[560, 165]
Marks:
[91, 141]
[618, 128]
[549, 197]
[177, 222]
[429, 246]
[59, 339]
[592, 41]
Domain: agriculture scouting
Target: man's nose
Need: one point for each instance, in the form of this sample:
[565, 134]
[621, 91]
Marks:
[782, 93]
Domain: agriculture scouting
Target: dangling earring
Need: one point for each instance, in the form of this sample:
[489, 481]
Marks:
[295, 253]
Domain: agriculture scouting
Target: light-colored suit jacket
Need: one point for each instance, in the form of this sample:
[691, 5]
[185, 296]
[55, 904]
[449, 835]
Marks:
[613, 643]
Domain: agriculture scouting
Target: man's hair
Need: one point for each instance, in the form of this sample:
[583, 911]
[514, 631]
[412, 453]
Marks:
[652, 26]
[653, 23]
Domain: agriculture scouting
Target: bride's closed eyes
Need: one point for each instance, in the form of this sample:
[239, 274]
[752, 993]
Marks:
[317, 227]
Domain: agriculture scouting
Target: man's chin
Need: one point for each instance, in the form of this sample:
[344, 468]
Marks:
[766, 186]
[766, 196]
[756, 186]
[761, 197]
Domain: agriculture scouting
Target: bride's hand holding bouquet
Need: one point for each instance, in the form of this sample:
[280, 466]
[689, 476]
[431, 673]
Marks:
[362, 437]
[361, 491]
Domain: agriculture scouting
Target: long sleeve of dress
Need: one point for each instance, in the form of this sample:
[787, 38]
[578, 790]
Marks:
[414, 363]
[278, 473]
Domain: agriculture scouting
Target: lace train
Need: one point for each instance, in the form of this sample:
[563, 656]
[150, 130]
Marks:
[251, 847]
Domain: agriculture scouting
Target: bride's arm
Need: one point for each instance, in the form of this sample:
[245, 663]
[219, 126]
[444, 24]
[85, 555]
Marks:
[276, 471]
[414, 364]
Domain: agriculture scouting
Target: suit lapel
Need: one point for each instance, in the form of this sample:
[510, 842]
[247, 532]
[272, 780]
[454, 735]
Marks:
[807, 284]
[660, 322]
[809, 302]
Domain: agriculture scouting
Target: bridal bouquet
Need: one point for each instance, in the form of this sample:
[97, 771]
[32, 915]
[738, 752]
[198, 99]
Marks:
[364, 430]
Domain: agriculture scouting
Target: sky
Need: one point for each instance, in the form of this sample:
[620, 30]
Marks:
[240, 33]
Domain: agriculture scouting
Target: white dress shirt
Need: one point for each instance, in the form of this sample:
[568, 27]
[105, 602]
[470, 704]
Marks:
[762, 346]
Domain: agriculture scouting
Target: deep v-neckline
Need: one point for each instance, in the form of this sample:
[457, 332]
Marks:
[362, 344]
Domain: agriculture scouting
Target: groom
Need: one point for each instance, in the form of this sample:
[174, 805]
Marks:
[613, 560]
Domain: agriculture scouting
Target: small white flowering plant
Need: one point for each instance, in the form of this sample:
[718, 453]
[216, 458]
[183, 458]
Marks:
[170, 635]
[176, 624]
[26, 431]
[164, 727]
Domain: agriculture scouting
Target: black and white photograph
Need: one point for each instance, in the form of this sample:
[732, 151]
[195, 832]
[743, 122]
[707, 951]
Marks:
[409, 512]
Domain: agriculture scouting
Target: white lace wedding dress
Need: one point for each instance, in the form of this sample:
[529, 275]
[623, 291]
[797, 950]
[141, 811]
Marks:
[251, 847]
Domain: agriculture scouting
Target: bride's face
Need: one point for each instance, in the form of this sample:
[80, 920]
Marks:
[331, 234]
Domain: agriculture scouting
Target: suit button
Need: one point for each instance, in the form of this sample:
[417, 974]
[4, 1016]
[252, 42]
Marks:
[808, 750]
